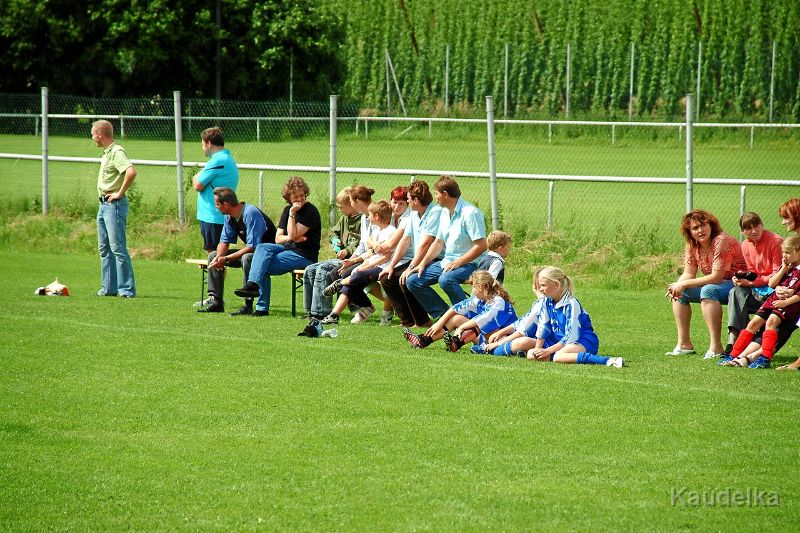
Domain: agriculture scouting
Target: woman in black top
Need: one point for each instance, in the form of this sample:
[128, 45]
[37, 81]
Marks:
[296, 245]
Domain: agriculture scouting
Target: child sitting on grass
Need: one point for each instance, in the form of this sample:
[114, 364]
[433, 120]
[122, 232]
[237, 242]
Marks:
[519, 337]
[352, 287]
[564, 328]
[487, 310]
[773, 311]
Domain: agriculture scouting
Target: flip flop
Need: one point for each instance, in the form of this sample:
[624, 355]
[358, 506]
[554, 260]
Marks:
[681, 351]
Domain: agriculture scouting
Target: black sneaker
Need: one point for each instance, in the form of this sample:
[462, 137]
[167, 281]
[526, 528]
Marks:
[243, 310]
[258, 312]
[333, 288]
[215, 307]
[451, 342]
[413, 339]
[250, 290]
[330, 319]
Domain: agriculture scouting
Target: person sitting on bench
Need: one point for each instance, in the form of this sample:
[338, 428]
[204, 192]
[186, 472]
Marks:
[242, 221]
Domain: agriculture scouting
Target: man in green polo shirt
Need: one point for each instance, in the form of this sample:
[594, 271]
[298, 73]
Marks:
[115, 177]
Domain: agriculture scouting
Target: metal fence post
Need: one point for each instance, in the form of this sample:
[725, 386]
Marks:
[550, 190]
[45, 112]
[742, 200]
[332, 185]
[699, 66]
[492, 163]
[179, 155]
[505, 86]
[689, 158]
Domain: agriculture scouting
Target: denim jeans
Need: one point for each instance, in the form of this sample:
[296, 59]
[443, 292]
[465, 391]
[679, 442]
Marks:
[116, 269]
[712, 291]
[216, 278]
[450, 282]
[272, 260]
[315, 279]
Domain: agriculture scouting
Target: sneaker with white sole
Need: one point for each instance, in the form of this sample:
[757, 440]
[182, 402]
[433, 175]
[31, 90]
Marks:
[616, 362]
[330, 319]
[386, 318]
[363, 314]
[333, 288]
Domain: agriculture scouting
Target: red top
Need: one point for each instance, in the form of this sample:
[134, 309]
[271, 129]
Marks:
[724, 255]
[764, 257]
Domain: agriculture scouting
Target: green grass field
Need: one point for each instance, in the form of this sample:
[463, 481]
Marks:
[142, 414]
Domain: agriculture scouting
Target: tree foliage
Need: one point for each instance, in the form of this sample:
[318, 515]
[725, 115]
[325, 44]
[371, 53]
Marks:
[149, 47]
[114, 48]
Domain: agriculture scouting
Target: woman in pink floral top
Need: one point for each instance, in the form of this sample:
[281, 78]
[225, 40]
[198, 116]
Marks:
[717, 256]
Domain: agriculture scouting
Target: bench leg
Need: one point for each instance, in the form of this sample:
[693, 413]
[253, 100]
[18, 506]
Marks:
[203, 273]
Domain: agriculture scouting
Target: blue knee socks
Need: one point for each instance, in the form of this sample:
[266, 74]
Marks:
[591, 359]
[505, 349]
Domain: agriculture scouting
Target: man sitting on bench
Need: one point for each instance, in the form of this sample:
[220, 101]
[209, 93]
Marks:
[242, 221]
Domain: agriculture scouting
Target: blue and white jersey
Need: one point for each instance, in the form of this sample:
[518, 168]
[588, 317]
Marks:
[529, 322]
[567, 321]
[489, 316]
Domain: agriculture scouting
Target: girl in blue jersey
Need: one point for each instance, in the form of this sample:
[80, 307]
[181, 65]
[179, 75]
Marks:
[519, 337]
[487, 310]
[564, 325]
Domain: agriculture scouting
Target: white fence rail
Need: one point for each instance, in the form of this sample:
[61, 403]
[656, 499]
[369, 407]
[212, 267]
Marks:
[332, 168]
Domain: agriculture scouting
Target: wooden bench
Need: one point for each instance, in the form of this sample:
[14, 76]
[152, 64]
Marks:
[297, 281]
[297, 284]
[203, 265]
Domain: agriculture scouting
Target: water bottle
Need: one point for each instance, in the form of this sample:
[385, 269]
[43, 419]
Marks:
[332, 333]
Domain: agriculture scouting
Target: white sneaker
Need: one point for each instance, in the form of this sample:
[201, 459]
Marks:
[363, 314]
[386, 318]
[615, 362]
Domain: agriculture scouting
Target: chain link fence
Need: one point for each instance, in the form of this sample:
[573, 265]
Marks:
[591, 180]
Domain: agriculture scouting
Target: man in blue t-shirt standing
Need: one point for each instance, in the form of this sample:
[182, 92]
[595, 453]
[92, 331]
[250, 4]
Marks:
[220, 171]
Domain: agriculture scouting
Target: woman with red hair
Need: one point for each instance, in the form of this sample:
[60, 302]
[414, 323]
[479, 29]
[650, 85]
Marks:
[717, 256]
